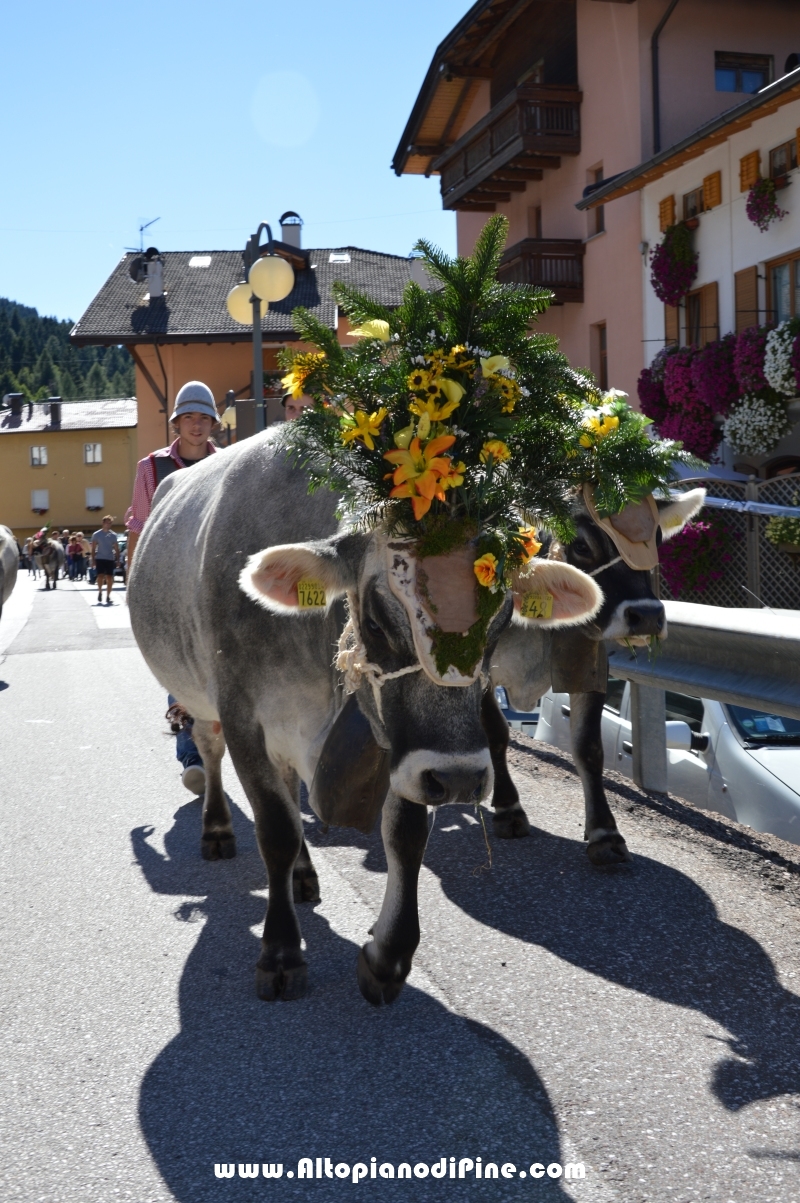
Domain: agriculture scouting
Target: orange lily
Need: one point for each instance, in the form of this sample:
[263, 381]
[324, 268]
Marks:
[419, 470]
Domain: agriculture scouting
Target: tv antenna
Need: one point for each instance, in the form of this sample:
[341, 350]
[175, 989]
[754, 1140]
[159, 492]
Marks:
[144, 226]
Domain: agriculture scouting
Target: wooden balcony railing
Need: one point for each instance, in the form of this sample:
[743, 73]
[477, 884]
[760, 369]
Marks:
[522, 136]
[548, 262]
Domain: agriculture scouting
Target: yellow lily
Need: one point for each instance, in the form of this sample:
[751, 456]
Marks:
[365, 427]
[531, 545]
[452, 390]
[497, 449]
[418, 472]
[431, 407]
[454, 477]
[485, 570]
[494, 364]
[375, 328]
[459, 357]
[403, 437]
[597, 426]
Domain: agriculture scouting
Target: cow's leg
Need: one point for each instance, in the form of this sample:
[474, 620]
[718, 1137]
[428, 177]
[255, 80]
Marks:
[281, 971]
[385, 962]
[509, 820]
[218, 841]
[305, 883]
[606, 846]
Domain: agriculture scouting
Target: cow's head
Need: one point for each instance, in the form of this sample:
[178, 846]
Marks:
[427, 716]
[630, 610]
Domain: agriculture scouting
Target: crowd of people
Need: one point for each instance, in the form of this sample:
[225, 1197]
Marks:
[82, 555]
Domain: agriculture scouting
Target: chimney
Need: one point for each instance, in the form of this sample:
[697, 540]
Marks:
[15, 400]
[154, 267]
[55, 411]
[291, 224]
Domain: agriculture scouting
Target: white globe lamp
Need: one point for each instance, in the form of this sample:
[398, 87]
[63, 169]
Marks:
[239, 305]
[271, 278]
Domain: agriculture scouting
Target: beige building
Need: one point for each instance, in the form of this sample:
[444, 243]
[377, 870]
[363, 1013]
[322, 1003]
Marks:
[66, 463]
[529, 104]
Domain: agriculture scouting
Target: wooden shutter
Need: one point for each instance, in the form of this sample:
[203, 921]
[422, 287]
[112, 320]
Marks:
[666, 213]
[797, 145]
[745, 287]
[671, 325]
[712, 190]
[749, 170]
[709, 314]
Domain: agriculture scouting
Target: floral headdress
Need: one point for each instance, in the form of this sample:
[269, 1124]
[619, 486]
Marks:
[449, 422]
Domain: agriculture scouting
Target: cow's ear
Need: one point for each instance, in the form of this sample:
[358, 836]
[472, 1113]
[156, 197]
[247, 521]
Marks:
[294, 577]
[548, 593]
[673, 517]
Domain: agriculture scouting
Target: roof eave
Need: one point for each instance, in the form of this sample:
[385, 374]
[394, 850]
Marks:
[425, 94]
[788, 88]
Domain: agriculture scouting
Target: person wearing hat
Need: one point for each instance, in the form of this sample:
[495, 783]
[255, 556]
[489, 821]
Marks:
[294, 406]
[193, 418]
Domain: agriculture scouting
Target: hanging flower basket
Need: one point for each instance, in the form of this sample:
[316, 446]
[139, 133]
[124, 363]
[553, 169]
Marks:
[762, 207]
[756, 424]
[673, 265]
[780, 362]
[784, 533]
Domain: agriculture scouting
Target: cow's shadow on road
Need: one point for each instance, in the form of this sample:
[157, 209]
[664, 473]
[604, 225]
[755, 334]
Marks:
[248, 1081]
[649, 928]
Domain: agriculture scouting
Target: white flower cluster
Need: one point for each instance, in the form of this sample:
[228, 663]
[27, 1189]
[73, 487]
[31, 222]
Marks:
[778, 368]
[754, 426]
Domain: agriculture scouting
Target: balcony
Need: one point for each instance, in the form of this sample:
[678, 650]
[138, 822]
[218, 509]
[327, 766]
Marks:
[547, 262]
[523, 136]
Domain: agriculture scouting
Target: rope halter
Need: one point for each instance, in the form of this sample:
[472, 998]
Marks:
[352, 660]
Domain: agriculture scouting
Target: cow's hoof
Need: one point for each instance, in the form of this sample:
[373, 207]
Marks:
[285, 983]
[607, 848]
[510, 823]
[216, 846]
[305, 885]
[378, 990]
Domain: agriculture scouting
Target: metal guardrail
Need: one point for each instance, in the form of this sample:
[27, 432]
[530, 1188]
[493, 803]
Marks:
[740, 656]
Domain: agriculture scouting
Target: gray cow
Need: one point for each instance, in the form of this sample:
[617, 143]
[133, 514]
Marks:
[213, 598]
[573, 661]
[9, 563]
[49, 554]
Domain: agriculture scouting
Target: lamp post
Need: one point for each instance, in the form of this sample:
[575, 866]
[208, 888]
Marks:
[268, 277]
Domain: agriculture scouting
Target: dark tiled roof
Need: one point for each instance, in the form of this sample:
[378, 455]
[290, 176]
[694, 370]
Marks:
[75, 415]
[193, 309]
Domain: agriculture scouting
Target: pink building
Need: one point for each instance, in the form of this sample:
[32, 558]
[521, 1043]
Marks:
[528, 104]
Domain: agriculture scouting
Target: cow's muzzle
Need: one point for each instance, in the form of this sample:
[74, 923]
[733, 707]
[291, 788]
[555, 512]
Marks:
[435, 778]
[643, 618]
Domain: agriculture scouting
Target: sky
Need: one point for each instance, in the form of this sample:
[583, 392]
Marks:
[211, 117]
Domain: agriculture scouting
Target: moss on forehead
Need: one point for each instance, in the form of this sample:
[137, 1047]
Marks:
[463, 651]
[445, 534]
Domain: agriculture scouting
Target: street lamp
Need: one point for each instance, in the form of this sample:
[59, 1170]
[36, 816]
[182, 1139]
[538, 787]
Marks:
[269, 277]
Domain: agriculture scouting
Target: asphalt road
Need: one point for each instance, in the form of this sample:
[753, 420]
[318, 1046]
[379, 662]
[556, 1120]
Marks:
[644, 1021]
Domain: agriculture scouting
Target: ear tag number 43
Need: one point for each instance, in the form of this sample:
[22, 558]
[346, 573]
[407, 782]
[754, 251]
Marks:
[537, 605]
[310, 595]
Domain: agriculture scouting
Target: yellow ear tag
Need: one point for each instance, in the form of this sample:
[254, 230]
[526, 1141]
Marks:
[537, 605]
[310, 595]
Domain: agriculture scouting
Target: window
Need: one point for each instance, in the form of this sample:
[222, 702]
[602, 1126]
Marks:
[782, 159]
[693, 319]
[693, 203]
[38, 457]
[597, 217]
[741, 72]
[94, 499]
[702, 320]
[614, 691]
[40, 500]
[93, 453]
[783, 281]
[602, 335]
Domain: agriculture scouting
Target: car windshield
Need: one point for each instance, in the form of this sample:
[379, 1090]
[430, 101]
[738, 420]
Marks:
[759, 727]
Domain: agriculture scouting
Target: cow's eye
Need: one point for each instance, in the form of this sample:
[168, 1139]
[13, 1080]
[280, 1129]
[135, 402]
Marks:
[372, 627]
[581, 547]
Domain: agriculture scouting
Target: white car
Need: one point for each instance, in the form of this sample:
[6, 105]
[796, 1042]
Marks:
[740, 762]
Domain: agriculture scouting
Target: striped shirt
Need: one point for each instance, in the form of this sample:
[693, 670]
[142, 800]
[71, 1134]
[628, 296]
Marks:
[146, 484]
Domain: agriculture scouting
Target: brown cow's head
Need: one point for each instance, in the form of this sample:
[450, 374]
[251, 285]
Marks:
[407, 616]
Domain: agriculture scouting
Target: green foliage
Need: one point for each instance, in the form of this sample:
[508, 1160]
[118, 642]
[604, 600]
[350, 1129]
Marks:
[38, 360]
[419, 376]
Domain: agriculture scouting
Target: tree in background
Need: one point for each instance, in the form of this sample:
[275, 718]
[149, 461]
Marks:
[38, 360]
